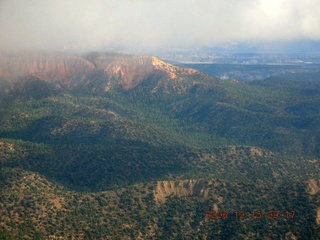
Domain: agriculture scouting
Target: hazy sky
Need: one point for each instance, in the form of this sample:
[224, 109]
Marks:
[151, 24]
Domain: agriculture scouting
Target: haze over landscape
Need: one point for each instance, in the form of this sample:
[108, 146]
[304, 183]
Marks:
[150, 119]
[151, 25]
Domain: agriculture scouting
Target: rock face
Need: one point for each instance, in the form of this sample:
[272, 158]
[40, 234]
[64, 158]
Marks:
[314, 189]
[44, 66]
[129, 70]
[198, 188]
[314, 186]
[133, 70]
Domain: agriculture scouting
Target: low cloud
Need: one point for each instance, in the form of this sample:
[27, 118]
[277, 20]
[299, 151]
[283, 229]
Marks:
[152, 24]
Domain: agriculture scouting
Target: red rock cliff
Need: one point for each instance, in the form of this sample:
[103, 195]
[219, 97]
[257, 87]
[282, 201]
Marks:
[130, 70]
[19, 65]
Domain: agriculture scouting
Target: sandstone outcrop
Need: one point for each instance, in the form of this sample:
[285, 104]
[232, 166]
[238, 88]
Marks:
[198, 188]
[128, 70]
[45, 66]
[133, 70]
[314, 189]
[314, 186]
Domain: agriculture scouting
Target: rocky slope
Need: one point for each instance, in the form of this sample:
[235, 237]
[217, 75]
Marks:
[130, 70]
[198, 188]
[313, 188]
[15, 66]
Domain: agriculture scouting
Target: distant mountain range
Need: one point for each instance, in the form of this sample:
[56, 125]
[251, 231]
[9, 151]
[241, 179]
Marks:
[115, 146]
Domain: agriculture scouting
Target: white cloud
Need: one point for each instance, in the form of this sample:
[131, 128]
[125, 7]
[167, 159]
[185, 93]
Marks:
[153, 23]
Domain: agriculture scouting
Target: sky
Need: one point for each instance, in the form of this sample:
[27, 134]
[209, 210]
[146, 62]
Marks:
[154, 24]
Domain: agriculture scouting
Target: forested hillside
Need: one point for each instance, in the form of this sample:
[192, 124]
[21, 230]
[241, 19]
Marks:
[113, 146]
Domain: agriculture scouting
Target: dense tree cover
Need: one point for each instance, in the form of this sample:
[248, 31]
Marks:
[201, 111]
[83, 162]
[32, 206]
